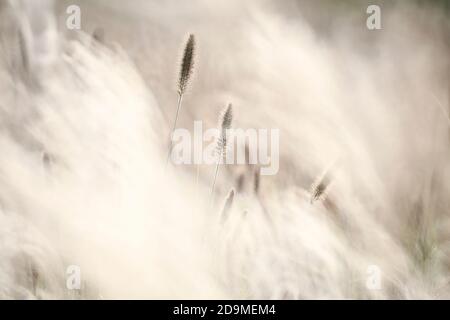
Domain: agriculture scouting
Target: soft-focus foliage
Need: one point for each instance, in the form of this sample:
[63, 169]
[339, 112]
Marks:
[363, 118]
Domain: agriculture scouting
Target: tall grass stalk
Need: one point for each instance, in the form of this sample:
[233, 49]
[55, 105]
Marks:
[225, 123]
[187, 66]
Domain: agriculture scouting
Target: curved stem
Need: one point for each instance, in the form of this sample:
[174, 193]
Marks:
[180, 98]
[214, 182]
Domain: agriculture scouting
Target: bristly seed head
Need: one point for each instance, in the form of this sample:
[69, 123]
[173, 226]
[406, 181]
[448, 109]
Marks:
[187, 64]
[227, 117]
[320, 186]
[225, 121]
[317, 192]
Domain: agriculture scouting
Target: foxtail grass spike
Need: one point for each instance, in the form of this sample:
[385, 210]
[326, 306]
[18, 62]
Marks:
[320, 187]
[187, 65]
[225, 123]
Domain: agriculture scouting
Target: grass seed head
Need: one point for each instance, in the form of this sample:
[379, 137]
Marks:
[187, 65]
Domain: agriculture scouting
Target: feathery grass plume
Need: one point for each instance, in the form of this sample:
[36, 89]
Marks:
[225, 123]
[320, 187]
[227, 206]
[317, 191]
[187, 66]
